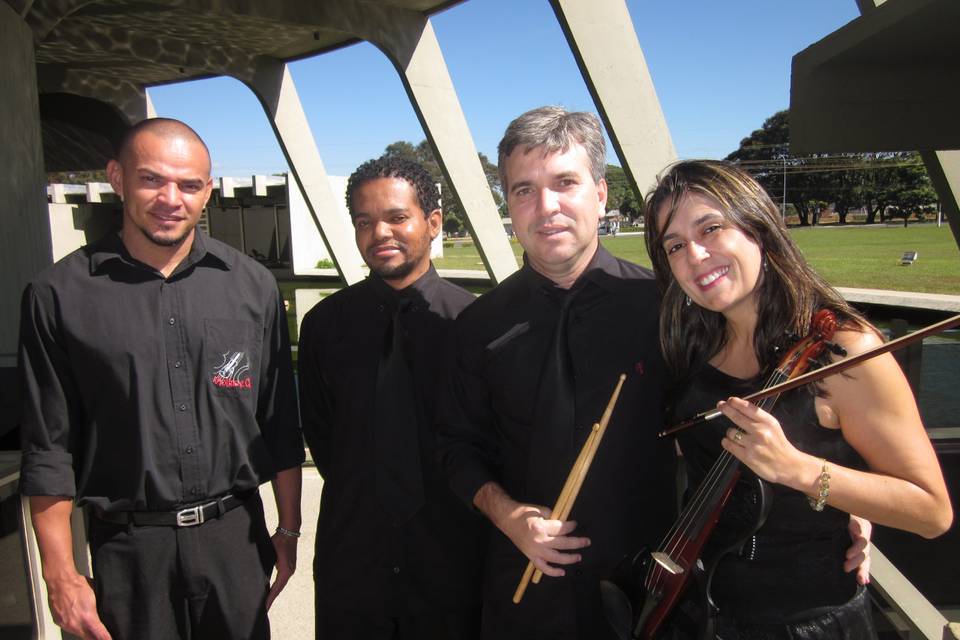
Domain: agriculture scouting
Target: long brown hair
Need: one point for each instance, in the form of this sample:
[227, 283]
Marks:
[789, 291]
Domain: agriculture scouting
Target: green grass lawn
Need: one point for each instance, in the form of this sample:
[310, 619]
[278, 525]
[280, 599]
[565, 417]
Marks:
[852, 256]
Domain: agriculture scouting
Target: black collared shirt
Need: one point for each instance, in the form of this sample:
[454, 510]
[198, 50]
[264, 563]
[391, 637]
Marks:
[364, 561]
[146, 393]
[488, 415]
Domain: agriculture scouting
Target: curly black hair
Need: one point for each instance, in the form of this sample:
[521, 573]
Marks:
[428, 198]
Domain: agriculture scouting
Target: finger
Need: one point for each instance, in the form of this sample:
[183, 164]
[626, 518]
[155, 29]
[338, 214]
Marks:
[857, 549]
[93, 628]
[275, 589]
[863, 573]
[853, 562]
[558, 557]
[568, 542]
[736, 435]
[546, 569]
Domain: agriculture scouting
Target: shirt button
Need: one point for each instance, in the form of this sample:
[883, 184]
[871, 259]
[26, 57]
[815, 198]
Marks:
[396, 569]
[182, 407]
[176, 365]
[172, 320]
[188, 450]
[193, 491]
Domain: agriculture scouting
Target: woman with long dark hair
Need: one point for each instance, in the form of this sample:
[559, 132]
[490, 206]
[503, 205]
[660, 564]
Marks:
[735, 289]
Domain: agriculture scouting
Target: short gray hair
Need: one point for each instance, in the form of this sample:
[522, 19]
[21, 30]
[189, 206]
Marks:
[554, 129]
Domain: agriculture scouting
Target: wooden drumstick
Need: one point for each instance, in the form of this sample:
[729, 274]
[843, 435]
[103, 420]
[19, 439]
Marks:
[571, 488]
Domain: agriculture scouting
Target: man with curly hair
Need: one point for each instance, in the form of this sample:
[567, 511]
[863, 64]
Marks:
[397, 554]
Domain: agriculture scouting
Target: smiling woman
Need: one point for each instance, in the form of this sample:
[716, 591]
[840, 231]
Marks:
[734, 287]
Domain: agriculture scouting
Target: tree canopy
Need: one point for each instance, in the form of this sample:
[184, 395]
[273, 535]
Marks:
[884, 184]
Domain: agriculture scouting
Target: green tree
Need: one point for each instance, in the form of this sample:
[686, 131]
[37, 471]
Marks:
[454, 217]
[620, 195]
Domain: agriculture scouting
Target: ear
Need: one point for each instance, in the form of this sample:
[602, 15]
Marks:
[602, 196]
[435, 222]
[115, 176]
[208, 188]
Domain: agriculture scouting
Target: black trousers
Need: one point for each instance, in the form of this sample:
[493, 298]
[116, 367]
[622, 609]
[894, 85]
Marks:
[333, 623]
[193, 583]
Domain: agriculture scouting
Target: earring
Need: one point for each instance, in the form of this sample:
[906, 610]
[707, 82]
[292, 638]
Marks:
[765, 265]
[688, 301]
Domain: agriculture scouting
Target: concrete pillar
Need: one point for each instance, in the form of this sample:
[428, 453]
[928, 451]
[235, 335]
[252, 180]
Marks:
[24, 229]
[273, 85]
[943, 167]
[605, 45]
[412, 46]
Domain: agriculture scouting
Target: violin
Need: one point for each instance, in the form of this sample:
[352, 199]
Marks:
[649, 585]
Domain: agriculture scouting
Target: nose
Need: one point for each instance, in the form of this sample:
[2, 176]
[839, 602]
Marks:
[697, 252]
[170, 193]
[381, 230]
[547, 202]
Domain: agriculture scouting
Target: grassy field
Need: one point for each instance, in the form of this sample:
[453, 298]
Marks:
[851, 256]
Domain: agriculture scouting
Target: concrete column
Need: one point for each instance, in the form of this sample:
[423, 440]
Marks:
[24, 228]
[413, 48]
[943, 168]
[604, 42]
[273, 85]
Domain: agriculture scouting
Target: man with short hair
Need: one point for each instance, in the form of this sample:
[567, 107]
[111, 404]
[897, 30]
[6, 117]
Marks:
[397, 555]
[159, 394]
[535, 363]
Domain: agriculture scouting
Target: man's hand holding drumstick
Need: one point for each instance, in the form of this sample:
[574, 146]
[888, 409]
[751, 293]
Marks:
[545, 542]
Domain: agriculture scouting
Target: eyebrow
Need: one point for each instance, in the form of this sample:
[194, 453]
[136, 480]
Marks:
[696, 223]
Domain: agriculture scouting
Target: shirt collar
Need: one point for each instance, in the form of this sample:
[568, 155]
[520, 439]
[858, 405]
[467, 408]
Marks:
[422, 289]
[602, 263]
[111, 248]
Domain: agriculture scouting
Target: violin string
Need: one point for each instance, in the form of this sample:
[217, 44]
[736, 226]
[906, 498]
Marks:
[677, 538]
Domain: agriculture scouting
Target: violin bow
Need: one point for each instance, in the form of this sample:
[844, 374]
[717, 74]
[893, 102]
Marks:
[822, 372]
[571, 488]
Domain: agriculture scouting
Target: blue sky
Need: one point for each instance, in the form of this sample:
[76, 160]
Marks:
[720, 69]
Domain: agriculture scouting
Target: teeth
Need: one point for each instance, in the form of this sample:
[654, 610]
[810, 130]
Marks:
[707, 279]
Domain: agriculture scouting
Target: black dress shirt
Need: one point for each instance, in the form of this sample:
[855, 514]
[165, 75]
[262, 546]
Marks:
[488, 415]
[144, 392]
[365, 562]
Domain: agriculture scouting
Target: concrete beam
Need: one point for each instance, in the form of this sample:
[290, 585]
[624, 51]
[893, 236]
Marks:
[604, 43]
[413, 48]
[276, 91]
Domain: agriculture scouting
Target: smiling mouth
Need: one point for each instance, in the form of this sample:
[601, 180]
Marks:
[712, 277]
[385, 250]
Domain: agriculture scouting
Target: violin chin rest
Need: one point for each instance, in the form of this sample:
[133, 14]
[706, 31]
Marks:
[617, 609]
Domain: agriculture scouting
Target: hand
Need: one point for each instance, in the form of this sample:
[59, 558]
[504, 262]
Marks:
[858, 555]
[760, 443]
[542, 540]
[74, 607]
[286, 548]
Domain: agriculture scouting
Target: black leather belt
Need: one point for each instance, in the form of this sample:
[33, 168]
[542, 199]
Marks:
[186, 517]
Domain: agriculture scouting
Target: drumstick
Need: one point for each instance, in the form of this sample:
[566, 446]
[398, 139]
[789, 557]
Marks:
[571, 487]
[561, 501]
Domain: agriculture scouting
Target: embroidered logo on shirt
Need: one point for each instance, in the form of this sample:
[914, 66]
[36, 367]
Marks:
[231, 373]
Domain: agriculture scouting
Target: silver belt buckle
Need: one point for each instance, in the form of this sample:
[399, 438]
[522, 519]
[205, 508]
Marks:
[190, 517]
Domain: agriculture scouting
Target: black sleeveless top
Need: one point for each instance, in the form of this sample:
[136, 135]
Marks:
[795, 561]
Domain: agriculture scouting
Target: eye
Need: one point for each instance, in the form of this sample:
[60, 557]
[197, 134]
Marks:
[359, 223]
[673, 247]
[150, 179]
[191, 187]
[399, 219]
[711, 228]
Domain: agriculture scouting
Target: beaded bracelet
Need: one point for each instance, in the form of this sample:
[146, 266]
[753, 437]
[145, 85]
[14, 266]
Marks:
[291, 534]
[818, 503]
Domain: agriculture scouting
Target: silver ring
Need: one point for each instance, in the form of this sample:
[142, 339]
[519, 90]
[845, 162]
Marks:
[738, 436]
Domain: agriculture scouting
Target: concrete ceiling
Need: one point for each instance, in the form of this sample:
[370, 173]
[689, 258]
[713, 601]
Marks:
[887, 81]
[108, 51]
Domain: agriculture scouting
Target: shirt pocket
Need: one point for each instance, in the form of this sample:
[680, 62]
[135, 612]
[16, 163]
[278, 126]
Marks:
[231, 357]
[512, 366]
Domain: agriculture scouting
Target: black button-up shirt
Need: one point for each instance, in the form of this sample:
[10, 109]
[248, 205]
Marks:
[364, 561]
[146, 393]
[489, 414]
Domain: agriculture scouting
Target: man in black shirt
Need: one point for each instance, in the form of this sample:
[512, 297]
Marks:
[397, 555]
[159, 393]
[536, 360]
